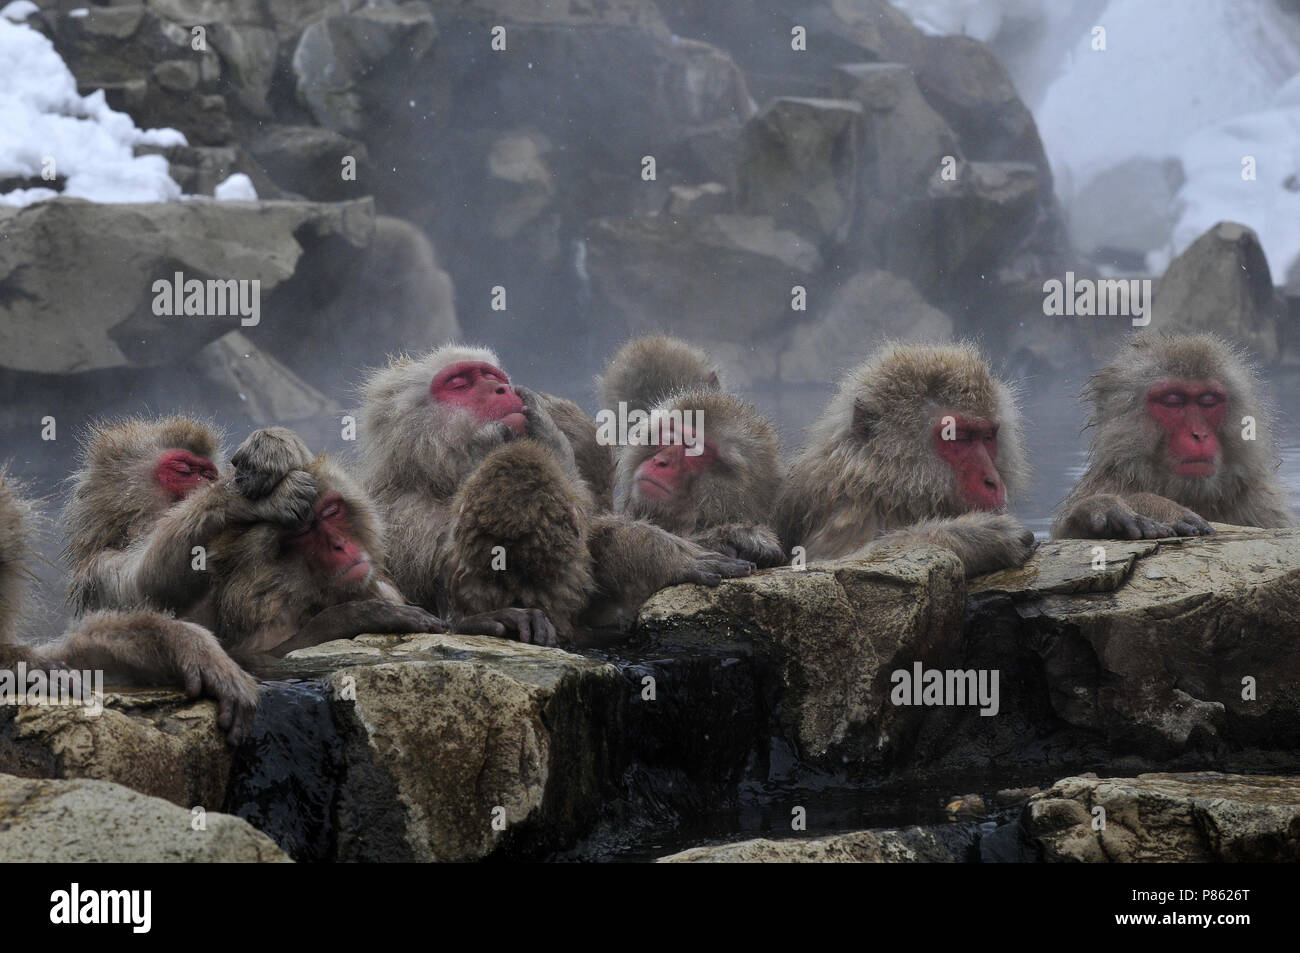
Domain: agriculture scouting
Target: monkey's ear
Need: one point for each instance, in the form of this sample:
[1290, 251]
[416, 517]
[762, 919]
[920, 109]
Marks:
[714, 383]
[865, 421]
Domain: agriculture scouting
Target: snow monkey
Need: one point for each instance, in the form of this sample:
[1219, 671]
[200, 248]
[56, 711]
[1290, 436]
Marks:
[1180, 437]
[647, 370]
[139, 645]
[428, 425]
[920, 443]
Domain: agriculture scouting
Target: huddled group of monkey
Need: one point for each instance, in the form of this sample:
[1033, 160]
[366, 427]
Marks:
[482, 507]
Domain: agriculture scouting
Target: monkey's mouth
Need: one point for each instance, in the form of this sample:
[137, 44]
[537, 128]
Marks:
[1195, 467]
[652, 489]
[359, 571]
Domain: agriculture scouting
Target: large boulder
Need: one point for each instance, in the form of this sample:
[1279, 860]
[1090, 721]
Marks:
[1166, 818]
[909, 845]
[87, 821]
[157, 743]
[829, 638]
[80, 275]
[458, 747]
[1222, 284]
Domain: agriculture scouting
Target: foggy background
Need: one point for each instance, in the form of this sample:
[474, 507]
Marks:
[524, 168]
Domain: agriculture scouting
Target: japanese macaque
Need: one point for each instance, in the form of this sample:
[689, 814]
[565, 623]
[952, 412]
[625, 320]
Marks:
[133, 645]
[428, 426]
[279, 587]
[148, 493]
[648, 370]
[1181, 438]
[919, 444]
[712, 475]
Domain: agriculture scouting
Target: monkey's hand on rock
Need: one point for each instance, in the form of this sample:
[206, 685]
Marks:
[207, 671]
[525, 625]
[983, 541]
[752, 542]
[1140, 516]
[347, 620]
[709, 569]
[266, 458]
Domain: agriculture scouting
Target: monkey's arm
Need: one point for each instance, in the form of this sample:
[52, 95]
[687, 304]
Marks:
[266, 458]
[632, 559]
[543, 428]
[156, 569]
[1128, 516]
[347, 620]
[751, 541]
[982, 541]
[153, 648]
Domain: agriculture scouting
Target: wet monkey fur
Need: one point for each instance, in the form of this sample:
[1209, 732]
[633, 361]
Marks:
[1170, 451]
[919, 444]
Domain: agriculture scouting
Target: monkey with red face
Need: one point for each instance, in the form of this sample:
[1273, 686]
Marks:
[279, 587]
[1181, 437]
[429, 426]
[921, 443]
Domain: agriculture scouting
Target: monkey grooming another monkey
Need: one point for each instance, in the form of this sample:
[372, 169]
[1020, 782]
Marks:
[429, 424]
[714, 481]
[140, 645]
[919, 444]
[1181, 437]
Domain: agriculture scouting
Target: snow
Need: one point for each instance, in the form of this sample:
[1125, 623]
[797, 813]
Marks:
[235, 188]
[43, 117]
[18, 11]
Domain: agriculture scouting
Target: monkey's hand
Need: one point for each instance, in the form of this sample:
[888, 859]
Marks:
[266, 458]
[709, 569]
[748, 541]
[525, 625]
[983, 541]
[1109, 516]
[543, 428]
[289, 503]
[347, 620]
[1180, 519]
[207, 671]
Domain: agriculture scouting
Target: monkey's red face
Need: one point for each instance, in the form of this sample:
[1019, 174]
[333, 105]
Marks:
[180, 472]
[970, 446]
[1190, 413]
[481, 389]
[670, 472]
[327, 543]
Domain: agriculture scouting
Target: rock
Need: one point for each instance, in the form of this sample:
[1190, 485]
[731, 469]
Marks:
[1222, 284]
[871, 306]
[248, 54]
[979, 220]
[80, 275]
[199, 169]
[829, 637]
[447, 733]
[1152, 653]
[364, 304]
[87, 821]
[642, 14]
[309, 160]
[268, 392]
[730, 273]
[909, 845]
[966, 83]
[967, 805]
[336, 59]
[521, 181]
[178, 75]
[1127, 211]
[710, 198]
[799, 164]
[1167, 818]
[156, 742]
